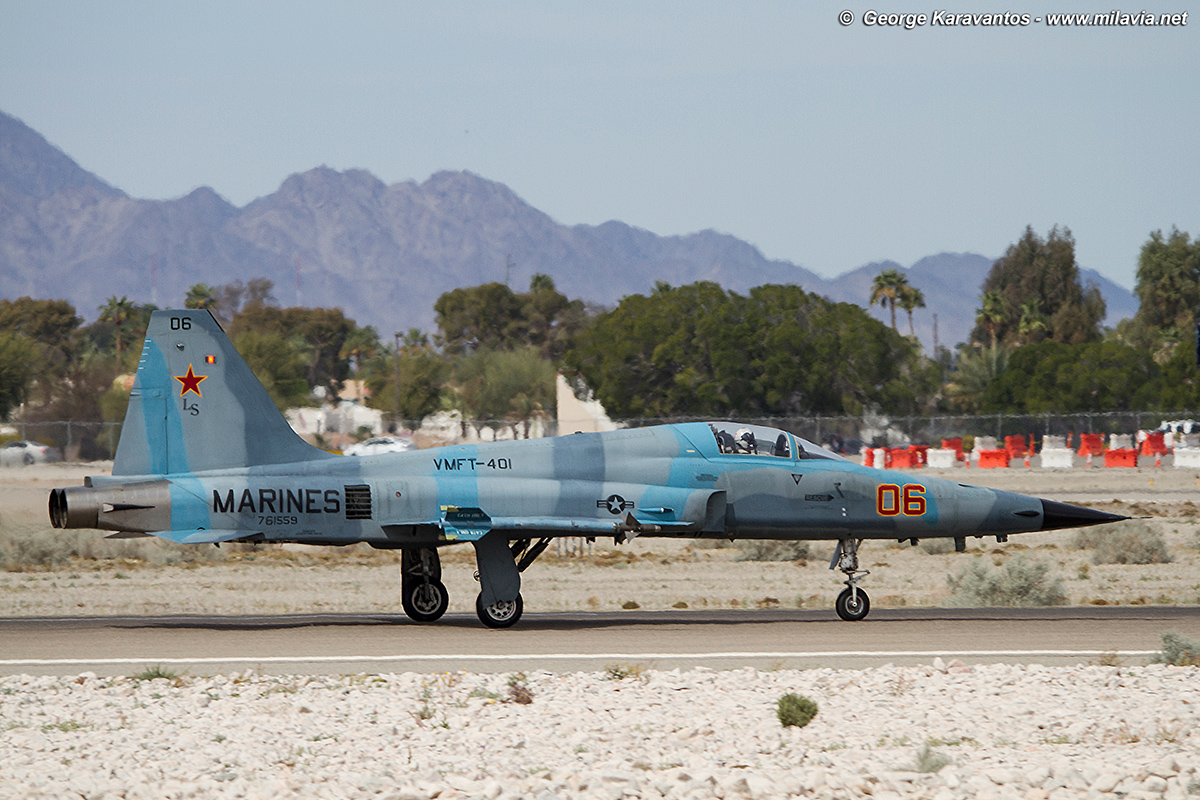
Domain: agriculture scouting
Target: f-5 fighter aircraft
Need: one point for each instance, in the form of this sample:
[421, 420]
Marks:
[205, 457]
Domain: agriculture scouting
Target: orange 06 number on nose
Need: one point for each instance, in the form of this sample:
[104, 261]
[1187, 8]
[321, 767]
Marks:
[892, 500]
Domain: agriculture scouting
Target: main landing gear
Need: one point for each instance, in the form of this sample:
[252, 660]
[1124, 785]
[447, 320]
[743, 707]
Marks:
[500, 614]
[505, 613]
[852, 604]
[425, 599]
[422, 593]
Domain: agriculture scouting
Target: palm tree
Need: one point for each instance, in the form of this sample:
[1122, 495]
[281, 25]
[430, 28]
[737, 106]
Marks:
[911, 297]
[976, 369]
[887, 290]
[360, 344]
[1033, 321]
[201, 296]
[117, 311]
[992, 313]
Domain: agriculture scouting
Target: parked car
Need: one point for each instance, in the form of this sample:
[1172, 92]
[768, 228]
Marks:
[380, 444]
[22, 453]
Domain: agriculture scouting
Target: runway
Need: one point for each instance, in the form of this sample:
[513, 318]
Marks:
[567, 642]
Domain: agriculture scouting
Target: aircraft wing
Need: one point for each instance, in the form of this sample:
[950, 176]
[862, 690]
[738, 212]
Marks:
[205, 536]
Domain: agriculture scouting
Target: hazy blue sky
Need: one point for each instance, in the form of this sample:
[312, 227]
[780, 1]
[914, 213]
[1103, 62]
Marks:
[822, 144]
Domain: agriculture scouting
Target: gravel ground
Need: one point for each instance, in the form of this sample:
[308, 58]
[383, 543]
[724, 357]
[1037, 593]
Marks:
[937, 731]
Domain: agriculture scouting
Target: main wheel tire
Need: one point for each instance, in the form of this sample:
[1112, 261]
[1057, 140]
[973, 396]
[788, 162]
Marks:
[503, 614]
[425, 602]
[852, 606]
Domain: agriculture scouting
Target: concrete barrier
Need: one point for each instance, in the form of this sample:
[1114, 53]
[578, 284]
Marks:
[1058, 457]
[1187, 457]
[942, 458]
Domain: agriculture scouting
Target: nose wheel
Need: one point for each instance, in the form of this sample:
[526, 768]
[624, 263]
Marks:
[852, 604]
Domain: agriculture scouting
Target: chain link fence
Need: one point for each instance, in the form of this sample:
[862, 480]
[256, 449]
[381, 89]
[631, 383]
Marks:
[75, 441]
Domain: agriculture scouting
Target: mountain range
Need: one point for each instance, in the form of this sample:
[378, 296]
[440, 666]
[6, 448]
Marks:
[385, 253]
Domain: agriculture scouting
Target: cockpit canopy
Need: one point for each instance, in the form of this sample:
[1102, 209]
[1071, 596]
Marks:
[756, 440]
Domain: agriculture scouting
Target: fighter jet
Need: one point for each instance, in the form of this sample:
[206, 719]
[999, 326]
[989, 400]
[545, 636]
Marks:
[205, 458]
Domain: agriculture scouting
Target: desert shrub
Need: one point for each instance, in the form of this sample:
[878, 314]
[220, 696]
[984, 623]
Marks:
[930, 760]
[25, 550]
[1133, 542]
[158, 672]
[619, 672]
[937, 547]
[1022, 581]
[771, 550]
[1178, 651]
[795, 710]
[518, 689]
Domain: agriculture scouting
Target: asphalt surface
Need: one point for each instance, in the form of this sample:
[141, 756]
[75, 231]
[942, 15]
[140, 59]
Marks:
[565, 642]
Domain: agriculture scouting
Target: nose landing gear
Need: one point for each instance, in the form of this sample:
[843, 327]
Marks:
[852, 604]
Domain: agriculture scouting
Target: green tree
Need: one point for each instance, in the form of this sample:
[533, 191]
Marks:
[1043, 270]
[227, 301]
[1168, 285]
[887, 290]
[991, 315]
[1032, 325]
[51, 327]
[492, 316]
[360, 345]
[201, 296]
[1179, 382]
[698, 350]
[117, 312]
[977, 367]
[486, 316]
[1092, 376]
[496, 387]
[911, 298]
[319, 334]
[18, 356]
[550, 318]
[408, 383]
[51, 323]
[279, 363]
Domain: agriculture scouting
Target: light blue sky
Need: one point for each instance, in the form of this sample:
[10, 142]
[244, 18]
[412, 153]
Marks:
[824, 145]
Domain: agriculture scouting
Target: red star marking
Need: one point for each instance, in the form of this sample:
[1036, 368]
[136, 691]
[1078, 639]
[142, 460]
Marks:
[191, 382]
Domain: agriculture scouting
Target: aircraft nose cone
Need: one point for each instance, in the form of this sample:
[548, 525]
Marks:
[1056, 516]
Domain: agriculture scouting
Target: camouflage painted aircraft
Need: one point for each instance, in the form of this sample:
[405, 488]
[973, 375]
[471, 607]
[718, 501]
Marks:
[205, 457]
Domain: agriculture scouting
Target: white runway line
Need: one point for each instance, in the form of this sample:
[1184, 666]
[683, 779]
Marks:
[70, 662]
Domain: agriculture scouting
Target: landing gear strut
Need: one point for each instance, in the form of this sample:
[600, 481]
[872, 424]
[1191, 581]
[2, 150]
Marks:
[852, 604]
[422, 593]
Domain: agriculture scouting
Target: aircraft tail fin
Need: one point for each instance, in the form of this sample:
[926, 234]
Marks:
[197, 406]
